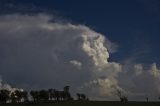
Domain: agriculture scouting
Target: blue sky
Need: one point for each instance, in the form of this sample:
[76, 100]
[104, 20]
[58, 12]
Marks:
[133, 25]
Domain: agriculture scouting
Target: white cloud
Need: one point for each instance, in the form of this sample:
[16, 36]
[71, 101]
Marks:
[154, 71]
[42, 53]
[76, 63]
[94, 47]
[39, 52]
[7, 87]
[138, 68]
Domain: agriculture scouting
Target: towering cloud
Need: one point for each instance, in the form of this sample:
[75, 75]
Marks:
[37, 51]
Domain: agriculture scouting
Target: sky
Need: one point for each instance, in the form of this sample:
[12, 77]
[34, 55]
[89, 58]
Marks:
[112, 44]
[132, 25]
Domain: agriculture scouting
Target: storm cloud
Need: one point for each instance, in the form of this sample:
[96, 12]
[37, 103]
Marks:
[38, 51]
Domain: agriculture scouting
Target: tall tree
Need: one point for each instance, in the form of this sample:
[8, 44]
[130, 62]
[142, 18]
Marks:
[123, 98]
[18, 95]
[83, 97]
[52, 94]
[66, 93]
[43, 95]
[24, 96]
[4, 95]
[78, 96]
[57, 95]
[35, 95]
[66, 88]
[13, 97]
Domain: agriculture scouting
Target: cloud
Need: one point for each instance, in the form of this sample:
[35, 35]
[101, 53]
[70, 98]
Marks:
[40, 52]
[7, 87]
[37, 51]
[140, 81]
[76, 63]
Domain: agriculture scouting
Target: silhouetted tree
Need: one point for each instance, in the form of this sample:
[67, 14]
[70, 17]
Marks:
[43, 95]
[66, 94]
[24, 95]
[81, 96]
[61, 95]
[123, 98]
[4, 95]
[146, 98]
[35, 95]
[78, 96]
[13, 97]
[18, 94]
[57, 95]
[66, 88]
[52, 95]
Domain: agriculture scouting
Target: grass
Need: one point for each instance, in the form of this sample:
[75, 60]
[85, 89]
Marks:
[87, 103]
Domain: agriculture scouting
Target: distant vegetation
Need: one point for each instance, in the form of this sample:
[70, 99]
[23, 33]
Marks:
[64, 98]
[19, 96]
[123, 98]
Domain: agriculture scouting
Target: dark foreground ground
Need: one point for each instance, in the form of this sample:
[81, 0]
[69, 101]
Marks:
[87, 103]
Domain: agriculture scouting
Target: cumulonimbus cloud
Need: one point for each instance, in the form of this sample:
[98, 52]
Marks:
[39, 52]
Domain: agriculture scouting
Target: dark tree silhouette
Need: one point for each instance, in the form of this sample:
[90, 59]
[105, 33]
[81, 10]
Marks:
[147, 98]
[66, 93]
[57, 95]
[78, 96]
[38, 96]
[24, 95]
[13, 97]
[62, 95]
[81, 96]
[121, 96]
[18, 95]
[35, 95]
[4, 95]
[52, 95]
[66, 88]
[43, 95]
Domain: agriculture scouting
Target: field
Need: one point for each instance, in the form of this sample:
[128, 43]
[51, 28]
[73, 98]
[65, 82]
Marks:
[87, 103]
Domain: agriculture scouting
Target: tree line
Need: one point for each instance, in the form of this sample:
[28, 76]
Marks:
[18, 96]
